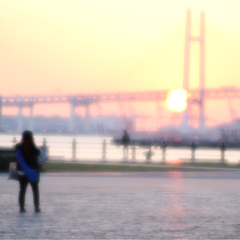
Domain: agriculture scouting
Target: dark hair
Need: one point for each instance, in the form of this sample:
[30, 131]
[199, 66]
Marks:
[27, 136]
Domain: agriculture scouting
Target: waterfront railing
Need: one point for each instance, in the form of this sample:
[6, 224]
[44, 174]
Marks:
[107, 150]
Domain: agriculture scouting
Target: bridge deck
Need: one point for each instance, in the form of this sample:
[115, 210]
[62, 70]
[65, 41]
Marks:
[194, 95]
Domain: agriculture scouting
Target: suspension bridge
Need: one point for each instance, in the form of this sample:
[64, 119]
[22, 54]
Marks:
[143, 73]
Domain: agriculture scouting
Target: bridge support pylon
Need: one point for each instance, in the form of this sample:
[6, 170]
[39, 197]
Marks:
[72, 118]
[201, 39]
[20, 122]
[185, 118]
[31, 126]
[87, 119]
[0, 113]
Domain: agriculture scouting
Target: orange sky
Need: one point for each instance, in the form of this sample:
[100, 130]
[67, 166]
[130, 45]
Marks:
[56, 46]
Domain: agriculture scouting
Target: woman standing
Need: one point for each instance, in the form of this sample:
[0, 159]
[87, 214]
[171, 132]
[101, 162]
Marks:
[27, 165]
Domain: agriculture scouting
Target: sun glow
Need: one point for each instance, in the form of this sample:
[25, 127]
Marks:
[176, 100]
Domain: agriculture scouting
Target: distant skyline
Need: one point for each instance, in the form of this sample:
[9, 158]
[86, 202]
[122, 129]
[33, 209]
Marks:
[56, 46]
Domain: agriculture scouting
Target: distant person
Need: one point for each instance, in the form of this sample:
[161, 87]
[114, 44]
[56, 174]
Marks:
[125, 143]
[28, 169]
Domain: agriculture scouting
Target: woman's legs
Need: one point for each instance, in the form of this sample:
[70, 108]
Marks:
[35, 190]
[23, 183]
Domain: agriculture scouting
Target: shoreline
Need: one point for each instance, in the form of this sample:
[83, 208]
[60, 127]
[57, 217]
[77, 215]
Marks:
[135, 167]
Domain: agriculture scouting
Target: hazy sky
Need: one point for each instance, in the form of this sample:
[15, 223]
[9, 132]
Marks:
[67, 46]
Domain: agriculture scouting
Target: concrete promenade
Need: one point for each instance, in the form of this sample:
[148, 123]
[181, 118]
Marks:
[161, 205]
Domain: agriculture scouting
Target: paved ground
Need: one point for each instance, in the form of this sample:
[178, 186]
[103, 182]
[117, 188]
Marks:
[165, 205]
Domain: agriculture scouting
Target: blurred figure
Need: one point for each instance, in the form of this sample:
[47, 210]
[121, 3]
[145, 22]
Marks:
[125, 143]
[28, 162]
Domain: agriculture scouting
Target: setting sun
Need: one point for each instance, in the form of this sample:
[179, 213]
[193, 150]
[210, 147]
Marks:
[176, 100]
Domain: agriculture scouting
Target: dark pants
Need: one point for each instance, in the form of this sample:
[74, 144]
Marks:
[23, 182]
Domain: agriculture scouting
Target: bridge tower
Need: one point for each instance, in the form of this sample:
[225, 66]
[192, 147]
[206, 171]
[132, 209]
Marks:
[201, 39]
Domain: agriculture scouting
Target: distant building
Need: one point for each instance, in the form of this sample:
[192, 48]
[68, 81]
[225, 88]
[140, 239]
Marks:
[97, 125]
